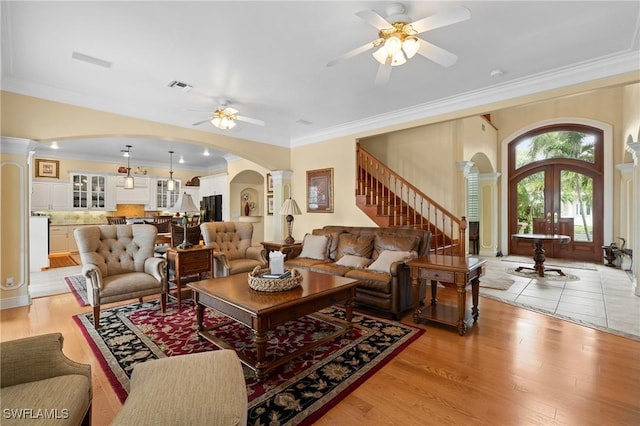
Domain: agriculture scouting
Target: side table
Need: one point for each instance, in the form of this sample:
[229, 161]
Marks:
[447, 269]
[288, 249]
[193, 261]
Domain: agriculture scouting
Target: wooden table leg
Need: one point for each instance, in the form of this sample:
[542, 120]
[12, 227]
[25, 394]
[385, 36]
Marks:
[199, 315]
[538, 258]
[261, 348]
[475, 292]
[434, 292]
[415, 285]
[462, 307]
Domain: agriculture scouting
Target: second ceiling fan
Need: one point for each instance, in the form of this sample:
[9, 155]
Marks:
[397, 38]
[224, 117]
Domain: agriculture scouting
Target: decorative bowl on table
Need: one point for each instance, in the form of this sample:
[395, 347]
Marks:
[259, 282]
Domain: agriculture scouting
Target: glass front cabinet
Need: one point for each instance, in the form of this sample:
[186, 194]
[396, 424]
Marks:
[166, 199]
[89, 191]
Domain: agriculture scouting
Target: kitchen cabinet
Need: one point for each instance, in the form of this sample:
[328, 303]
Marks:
[49, 196]
[38, 243]
[58, 239]
[162, 197]
[138, 195]
[88, 191]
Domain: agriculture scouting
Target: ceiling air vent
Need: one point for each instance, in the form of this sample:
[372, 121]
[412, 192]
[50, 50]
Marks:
[181, 85]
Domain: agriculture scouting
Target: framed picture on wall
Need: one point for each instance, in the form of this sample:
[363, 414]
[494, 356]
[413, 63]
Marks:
[269, 183]
[47, 168]
[320, 191]
[270, 205]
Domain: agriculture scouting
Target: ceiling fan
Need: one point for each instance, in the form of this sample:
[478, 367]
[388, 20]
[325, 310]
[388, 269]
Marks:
[397, 38]
[224, 117]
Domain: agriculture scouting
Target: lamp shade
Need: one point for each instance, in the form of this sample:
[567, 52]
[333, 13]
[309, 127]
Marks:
[185, 204]
[290, 207]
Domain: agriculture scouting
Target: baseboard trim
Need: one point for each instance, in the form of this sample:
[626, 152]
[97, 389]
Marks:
[15, 302]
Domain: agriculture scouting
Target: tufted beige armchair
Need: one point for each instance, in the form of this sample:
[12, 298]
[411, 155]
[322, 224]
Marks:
[119, 264]
[233, 252]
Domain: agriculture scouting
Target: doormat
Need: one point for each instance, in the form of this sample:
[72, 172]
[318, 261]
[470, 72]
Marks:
[548, 276]
[78, 286]
[61, 261]
[298, 392]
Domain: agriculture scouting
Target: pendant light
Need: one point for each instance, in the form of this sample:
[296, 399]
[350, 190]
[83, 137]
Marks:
[171, 184]
[128, 181]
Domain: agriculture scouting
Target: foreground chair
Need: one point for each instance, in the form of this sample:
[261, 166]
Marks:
[206, 388]
[36, 375]
[119, 264]
[233, 252]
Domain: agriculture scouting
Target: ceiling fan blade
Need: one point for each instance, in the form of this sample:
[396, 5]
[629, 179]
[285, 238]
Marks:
[374, 19]
[436, 54]
[197, 123]
[250, 120]
[384, 73]
[354, 52]
[448, 17]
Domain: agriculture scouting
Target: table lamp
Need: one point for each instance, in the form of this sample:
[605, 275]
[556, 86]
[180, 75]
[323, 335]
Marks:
[185, 205]
[290, 208]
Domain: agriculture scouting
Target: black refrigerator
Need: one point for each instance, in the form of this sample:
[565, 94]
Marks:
[211, 208]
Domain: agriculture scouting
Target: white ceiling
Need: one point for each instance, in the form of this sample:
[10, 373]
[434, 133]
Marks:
[269, 59]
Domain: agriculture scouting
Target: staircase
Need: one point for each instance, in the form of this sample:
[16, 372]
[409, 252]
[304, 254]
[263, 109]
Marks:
[391, 201]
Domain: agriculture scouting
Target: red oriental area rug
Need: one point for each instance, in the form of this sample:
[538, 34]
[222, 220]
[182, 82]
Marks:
[298, 392]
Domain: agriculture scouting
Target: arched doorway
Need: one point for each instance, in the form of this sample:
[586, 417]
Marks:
[555, 185]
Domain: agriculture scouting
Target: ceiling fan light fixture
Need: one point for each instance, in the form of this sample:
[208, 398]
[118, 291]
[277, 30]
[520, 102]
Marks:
[381, 55]
[392, 45]
[224, 119]
[410, 46]
[398, 59]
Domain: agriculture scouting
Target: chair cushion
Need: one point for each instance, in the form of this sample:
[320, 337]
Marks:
[128, 283]
[206, 388]
[66, 397]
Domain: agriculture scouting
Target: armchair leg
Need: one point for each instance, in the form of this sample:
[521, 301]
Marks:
[96, 317]
[163, 302]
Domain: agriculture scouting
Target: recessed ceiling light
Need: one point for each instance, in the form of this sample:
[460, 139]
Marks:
[206, 152]
[54, 145]
[496, 72]
[181, 160]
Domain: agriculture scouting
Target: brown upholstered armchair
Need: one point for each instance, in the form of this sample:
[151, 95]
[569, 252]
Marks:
[233, 252]
[118, 263]
[36, 374]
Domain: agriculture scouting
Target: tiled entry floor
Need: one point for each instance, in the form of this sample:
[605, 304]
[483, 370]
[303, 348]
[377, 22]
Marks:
[602, 296]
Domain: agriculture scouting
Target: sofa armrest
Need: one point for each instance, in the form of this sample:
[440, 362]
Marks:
[37, 358]
[156, 267]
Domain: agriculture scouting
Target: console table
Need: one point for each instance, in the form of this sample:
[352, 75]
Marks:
[193, 261]
[538, 241]
[447, 269]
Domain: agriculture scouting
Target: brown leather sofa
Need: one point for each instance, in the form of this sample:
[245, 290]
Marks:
[387, 291]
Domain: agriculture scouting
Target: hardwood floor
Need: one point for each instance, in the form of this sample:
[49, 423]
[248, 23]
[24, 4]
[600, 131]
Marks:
[514, 367]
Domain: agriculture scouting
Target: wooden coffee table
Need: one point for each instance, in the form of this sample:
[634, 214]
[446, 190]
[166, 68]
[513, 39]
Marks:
[263, 311]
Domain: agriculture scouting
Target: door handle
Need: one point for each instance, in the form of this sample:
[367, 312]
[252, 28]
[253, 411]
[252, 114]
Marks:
[548, 217]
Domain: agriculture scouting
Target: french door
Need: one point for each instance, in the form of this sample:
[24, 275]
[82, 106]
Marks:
[558, 195]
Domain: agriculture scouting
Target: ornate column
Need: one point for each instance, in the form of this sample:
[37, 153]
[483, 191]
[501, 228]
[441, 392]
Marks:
[281, 191]
[488, 192]
[634, 233]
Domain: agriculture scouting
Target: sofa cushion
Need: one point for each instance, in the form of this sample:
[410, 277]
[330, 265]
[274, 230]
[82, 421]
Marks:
[315, 247]
[330, 268]
[388, 257]
[373, 280]
[304, 262]
[335, 238]
[393, 241]
[358, 245]
[353, 261]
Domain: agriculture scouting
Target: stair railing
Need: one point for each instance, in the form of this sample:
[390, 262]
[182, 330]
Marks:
[407, 206]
